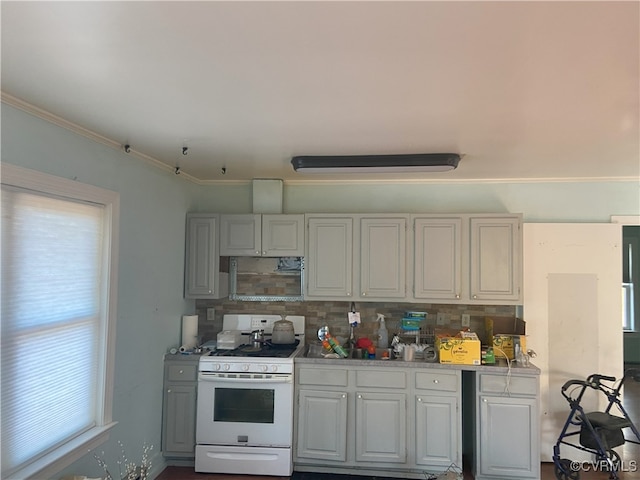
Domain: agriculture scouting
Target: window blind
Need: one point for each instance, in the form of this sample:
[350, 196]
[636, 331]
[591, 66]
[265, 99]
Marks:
[52, 322]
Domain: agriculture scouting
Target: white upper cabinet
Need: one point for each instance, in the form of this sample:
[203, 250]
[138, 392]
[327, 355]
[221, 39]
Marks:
[329, 257]
[495, 258]
[203, 278]
[356, 257]
[383, 257]
[267, 235]
[437, 258]
[467, 258]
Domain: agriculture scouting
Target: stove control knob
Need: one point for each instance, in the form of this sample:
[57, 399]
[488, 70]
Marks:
[218, 367]
[264, 368]
[274, 368]
[245, 367]
[227, 366]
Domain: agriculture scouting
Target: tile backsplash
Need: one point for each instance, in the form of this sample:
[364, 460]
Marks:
[334, 314]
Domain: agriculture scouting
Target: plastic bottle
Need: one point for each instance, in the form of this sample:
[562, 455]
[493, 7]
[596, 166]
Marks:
[383, 333]
[336, 346]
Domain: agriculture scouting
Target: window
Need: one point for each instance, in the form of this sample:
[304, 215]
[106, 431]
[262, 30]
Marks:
[58, 258]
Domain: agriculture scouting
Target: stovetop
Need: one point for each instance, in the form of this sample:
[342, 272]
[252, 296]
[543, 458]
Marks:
[267, 350]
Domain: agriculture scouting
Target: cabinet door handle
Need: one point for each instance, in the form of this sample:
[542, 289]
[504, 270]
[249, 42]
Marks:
[169, 390]
[436, 381]
[475, 296]
[419, 399]
[344, 395]
[457, 295]
[257, 252]
[364, 294]
[181, 372]
[359, 396]
[264, 253]
[484, 400]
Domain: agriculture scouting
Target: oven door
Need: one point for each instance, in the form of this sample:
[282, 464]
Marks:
[245, 409]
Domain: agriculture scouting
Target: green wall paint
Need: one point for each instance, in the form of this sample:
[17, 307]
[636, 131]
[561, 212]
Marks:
[153, 208]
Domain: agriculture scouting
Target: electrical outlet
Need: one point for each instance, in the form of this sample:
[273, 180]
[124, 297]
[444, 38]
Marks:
[466, 320]
[441, 319]
[211, 314]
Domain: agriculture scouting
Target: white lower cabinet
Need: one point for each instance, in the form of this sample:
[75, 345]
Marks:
[322, 425]
[381, 427]
[508, 445]
[179, 406]
[385, 421]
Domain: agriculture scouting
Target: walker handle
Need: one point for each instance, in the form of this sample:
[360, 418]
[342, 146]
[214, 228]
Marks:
[570, 383]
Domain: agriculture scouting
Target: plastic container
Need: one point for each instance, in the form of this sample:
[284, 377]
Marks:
[411, 324]
[336, 346]
[383, 333]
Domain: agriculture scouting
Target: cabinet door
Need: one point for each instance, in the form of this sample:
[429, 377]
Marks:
[508, 429]
[437, 431]
[495, 258]
[437, 255]
[283, 235]
[240, 235]
[322, 425]
[381, 427]
[202, 257]
[179, 427]
[383, 257]
[329, 257]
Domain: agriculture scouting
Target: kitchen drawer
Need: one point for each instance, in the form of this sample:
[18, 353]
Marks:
[444, 382]
[516, 385]
[330, 377]
[181, 373]
[381, 379]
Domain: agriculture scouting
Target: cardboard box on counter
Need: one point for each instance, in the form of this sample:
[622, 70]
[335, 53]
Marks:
[505, 334]
[458, 348]
[505, 345]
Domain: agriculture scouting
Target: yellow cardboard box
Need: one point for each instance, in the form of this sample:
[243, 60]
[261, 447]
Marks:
[462, 349]
[506, 345]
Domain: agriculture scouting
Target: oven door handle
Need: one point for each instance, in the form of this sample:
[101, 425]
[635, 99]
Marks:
[216, 378]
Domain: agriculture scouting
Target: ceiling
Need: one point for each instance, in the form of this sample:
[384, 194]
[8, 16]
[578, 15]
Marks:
[524, 90]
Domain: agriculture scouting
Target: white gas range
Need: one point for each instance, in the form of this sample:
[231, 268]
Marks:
[245, 402]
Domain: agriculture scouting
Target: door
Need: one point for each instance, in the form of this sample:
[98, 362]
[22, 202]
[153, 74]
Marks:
[202, 261]
[240, 235]
[495, 260]
[179, 419]
[437, 254]
[329, 257]
[572, 306]
[322, 425]
[383, 257]
[436, 430]
[381, 433]
[250, 410]
[283, 235]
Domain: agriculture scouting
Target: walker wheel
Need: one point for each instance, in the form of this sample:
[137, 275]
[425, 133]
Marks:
[564, 470]
[615, 460]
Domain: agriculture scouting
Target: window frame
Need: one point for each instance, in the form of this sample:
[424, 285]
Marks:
[42, 183]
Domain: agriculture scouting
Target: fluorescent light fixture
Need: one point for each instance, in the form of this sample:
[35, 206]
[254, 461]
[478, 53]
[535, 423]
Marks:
[413, 162]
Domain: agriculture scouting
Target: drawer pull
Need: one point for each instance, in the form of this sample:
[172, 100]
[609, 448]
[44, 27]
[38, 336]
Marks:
[436, 381]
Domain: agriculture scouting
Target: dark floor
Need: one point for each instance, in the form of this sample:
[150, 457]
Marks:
[630, 453]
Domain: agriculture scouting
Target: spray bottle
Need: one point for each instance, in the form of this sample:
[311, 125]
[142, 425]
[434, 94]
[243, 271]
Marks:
[383, 334]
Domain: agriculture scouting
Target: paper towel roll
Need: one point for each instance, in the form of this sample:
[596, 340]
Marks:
[189, 331]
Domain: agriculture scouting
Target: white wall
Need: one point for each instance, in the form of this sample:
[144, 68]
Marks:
[153, 206]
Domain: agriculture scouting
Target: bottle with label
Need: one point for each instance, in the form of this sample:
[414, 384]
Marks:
[383, 333]
[336, 346]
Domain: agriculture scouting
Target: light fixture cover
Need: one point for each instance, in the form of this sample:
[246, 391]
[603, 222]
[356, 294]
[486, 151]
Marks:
[413, 162]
